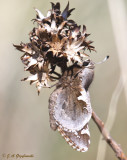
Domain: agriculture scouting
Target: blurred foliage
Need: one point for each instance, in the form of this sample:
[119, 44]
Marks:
[24, 119]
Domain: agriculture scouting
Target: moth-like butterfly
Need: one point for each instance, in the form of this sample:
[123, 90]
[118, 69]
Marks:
[70, 107]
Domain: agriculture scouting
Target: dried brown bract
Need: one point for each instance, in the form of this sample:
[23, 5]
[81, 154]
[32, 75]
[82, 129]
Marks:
[57, 41]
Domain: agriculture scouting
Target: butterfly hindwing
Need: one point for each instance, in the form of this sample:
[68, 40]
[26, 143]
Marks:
[70, 111]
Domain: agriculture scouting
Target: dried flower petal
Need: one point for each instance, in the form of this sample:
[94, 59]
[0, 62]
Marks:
[40, 15]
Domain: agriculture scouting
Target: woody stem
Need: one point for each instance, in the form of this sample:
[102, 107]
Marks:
[115, 147]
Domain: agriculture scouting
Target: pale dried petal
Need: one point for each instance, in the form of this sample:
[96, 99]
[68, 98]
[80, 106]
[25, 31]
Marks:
[41, 16]
[48, 13]
[47, 27]
[76, 44]
[39, 86]
[79, 48]
[77, 58]
[32, 78]
[32, 61]
[53, 25]
[40, 65]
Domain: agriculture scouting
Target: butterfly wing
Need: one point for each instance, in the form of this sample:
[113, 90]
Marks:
[70, 115]
[70, 111]
[77, 140]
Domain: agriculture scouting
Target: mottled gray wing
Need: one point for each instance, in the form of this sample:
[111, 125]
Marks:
[70, 114]
[77, 140]
[69, 110]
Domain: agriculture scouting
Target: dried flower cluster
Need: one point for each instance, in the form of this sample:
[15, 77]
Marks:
[56, 41]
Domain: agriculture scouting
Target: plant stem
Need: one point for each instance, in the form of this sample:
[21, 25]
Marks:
[116, 148]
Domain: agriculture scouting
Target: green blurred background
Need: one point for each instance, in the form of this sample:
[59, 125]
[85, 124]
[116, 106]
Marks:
[24, 118]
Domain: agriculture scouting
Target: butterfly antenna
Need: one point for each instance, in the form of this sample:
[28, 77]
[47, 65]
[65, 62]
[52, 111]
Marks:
[105, 59]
